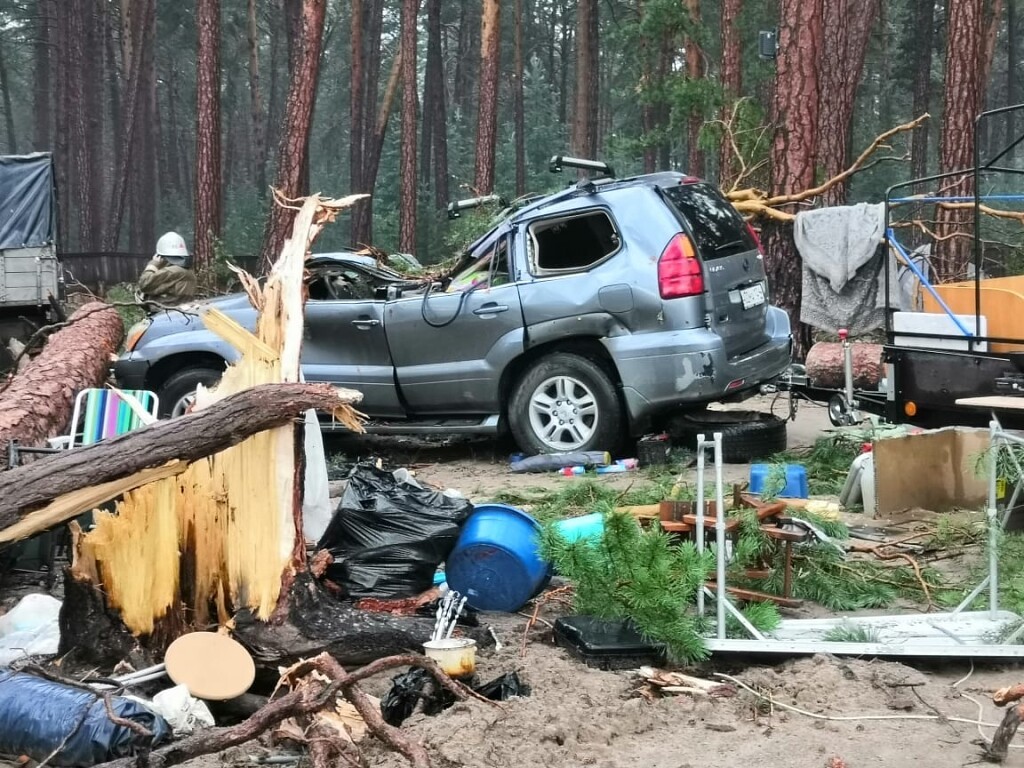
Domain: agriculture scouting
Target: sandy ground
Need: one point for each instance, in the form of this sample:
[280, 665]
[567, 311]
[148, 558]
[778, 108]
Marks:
[887, 714]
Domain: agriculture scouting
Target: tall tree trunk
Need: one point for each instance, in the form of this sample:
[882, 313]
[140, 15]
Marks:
[291, 154]
[993, 10]
[408, 180]
[83, 160]
[208, 136]
[795, 114]
[433, 82]
[143, 229]
[375, 137]
[5, 94]
[293, 20]
[365, 42]
[584, 123]
[41, 106]
[924, 26]
[518, 105]
[563, 64]
[694, 72]
[1012, 83]
[94, 78]
[648, 108]
[732, 84]
[487, 112]
[62, 111]
[436, 114]
[847, 30]
[115, 76]
[962, 100]
[259, 138]
[357, 107]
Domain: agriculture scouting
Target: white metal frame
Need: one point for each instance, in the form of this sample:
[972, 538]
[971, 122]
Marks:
[959, 633]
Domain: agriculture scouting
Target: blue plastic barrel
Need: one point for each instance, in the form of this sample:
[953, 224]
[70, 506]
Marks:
[796, 480]
[495, 563]
[577, 528]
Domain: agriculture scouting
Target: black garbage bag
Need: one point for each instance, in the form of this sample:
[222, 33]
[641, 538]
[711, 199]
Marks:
[388, 537]
[37, 715]
[416, 685]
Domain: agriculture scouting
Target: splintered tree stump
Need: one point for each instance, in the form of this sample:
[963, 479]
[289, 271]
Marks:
[188, 438]
[825, 365]
[89, 629]
[996, 751]
[315, 622]
[38, 401]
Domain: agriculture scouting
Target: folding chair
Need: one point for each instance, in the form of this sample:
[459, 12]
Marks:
[98, 414]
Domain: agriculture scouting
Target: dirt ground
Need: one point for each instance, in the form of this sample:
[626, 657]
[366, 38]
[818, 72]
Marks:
[884, 713]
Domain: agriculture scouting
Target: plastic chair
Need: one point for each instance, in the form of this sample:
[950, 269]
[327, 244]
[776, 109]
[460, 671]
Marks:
[103, 413]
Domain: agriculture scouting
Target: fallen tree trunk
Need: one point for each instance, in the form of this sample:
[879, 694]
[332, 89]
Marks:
[188, 438]
[825, 365]
[38, 401]
[315, 622]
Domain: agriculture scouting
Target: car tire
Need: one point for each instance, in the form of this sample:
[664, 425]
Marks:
[570, 383]
[181, 385]
[746, 435]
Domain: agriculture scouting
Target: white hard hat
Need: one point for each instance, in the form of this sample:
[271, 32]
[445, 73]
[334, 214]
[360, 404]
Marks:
[171, 246]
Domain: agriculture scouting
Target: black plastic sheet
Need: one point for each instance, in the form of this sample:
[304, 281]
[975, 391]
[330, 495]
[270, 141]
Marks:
[38, 715]
[411, 688]
[26, 200]
[388, 537]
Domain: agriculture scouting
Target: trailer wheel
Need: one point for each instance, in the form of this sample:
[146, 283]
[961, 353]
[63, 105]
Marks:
[746, 435]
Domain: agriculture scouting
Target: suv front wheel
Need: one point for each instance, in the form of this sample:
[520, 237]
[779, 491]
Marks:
[565, 402]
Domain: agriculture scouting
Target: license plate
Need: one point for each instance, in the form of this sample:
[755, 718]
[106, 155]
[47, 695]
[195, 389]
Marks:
[752, 296]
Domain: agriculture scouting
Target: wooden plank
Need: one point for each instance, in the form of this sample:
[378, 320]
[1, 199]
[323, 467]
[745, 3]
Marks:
[997, 402]
[761, 597]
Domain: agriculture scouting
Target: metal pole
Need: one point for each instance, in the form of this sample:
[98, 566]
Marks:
[720, 535]
[995, 433]
[844, 335]
[700, 517]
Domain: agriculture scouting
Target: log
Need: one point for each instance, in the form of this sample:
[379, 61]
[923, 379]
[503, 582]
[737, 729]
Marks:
[996, 751]
[38, 401]
[316, 622]
[825, 365]
[188, 438]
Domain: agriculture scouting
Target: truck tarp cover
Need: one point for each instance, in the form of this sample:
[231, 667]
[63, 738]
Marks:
[26, 200]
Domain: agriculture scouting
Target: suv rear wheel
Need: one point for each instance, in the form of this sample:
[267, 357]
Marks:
[565, 402]
[179, 391]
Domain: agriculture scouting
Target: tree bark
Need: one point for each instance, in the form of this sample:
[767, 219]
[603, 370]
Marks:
[142, 234]
[408, 180]
[487, 115]
[997, 751]
[115, 75]
[294, 147]
[42, 112]
[518, 105]
[1012, 83]
[37, 403]
[732, 83]
[993, 17]
[209, 190]
[259, 138]
[846, 32]
[584, 124]
[187, 438]
[795, 114]
[962, 102]
[924, 26]
[694, 72]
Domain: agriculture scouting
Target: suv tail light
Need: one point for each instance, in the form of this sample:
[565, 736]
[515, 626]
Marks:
[679, 272]
[757, 237]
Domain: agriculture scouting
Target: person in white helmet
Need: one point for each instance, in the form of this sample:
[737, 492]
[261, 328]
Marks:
[167, 278]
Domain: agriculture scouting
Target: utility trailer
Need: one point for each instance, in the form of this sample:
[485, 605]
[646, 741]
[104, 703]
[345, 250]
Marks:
[31, 278]
[965, 337]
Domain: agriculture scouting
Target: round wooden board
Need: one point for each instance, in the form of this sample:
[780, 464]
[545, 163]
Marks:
[212, 666]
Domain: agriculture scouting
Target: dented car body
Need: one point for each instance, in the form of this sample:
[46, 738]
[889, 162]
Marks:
[580, 318]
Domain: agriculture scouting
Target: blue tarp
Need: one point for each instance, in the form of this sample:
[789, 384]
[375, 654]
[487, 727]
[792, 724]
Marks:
[27, 215]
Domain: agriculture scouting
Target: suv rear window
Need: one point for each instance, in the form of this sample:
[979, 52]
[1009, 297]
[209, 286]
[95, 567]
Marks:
[719, 229]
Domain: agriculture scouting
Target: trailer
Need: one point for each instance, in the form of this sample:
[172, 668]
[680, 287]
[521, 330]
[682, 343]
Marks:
[31, 278]
[964, 338]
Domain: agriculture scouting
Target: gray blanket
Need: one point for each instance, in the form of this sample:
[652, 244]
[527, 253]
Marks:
[843, 277]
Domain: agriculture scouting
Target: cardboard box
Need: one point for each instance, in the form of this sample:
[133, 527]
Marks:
[937, 470]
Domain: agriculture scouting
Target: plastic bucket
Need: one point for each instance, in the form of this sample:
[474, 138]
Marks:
[796, 480]
[577, 528]
[455, 655]
[495, 563]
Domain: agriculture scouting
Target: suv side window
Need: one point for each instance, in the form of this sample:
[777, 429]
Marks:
[719, 229]
[572, 243]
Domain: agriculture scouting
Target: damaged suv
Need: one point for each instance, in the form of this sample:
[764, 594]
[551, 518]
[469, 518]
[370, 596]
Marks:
[581, 318]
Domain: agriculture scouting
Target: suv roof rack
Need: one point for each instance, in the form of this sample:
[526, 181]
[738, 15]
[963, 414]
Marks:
[456, 207]
[558, 162]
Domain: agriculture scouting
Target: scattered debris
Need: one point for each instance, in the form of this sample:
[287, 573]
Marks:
[665, 682]
[29, 629]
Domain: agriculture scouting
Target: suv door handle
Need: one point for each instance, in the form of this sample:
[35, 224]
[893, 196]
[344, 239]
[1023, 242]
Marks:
[365, 323]
[490, 309]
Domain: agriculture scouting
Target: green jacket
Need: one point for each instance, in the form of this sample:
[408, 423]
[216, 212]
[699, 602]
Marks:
[169, 284]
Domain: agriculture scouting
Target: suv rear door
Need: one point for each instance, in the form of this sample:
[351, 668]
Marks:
[733, 265]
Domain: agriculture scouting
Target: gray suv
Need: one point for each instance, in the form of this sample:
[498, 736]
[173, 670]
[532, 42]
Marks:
[581, 318]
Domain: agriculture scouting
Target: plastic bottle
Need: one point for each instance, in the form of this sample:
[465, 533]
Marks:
[611, 469]
[570, 471]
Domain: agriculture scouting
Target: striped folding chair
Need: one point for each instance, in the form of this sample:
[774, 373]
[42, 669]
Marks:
[103, 413]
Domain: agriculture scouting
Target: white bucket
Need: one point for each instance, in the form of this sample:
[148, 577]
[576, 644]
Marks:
[455, 655]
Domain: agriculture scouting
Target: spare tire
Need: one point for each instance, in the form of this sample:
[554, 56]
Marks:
[746, 435]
